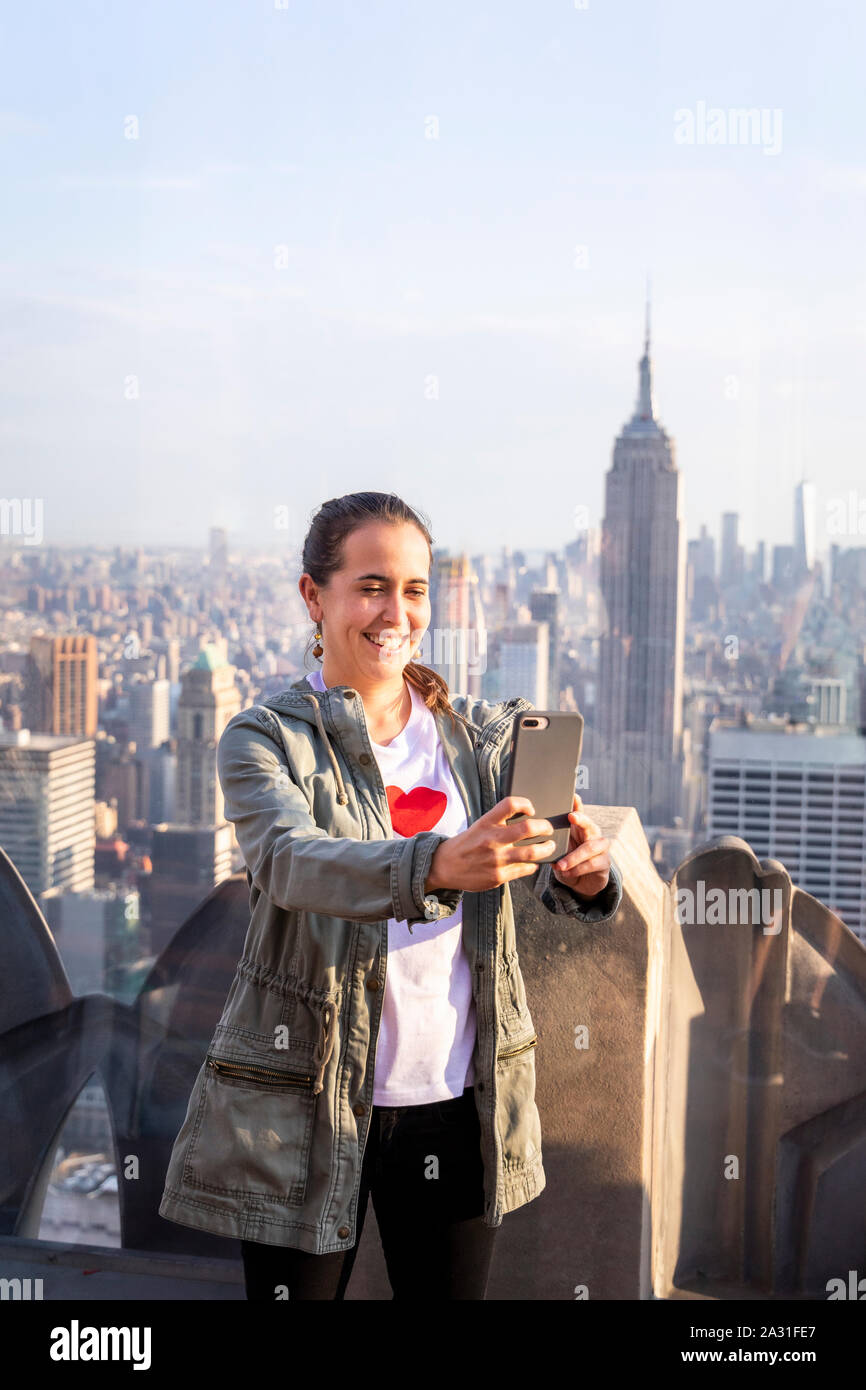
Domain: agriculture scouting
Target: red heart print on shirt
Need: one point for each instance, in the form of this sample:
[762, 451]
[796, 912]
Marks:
[414, 811]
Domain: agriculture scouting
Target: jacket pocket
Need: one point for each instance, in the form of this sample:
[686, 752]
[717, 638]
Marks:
[253, 1130]
[507, 1054]
[517, 1117]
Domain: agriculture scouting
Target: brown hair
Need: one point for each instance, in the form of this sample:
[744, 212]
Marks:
[322, 555]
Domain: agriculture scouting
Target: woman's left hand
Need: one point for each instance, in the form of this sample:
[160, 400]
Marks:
[585, 866]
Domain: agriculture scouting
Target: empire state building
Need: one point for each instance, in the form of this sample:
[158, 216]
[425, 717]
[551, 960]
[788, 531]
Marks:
[640, 691]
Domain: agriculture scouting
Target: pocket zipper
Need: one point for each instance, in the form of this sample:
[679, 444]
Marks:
[263, 1074]
[515, 1052]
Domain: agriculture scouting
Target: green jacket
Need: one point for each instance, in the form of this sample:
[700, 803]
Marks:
[277, 1122]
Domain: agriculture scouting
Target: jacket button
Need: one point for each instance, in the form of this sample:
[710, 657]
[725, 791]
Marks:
[373, 983]
[349, 694]
[343, 1232]
[364, 759]
[359, 1109]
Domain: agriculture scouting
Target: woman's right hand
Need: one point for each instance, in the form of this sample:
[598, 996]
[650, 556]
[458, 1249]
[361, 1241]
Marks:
[486, 855]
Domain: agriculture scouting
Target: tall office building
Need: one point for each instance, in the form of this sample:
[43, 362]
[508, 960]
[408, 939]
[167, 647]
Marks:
[61, 695]
[804, 528]
[188, 862]
[477, 650]
[47, 791]
[799, 797]
[208, 700]
[759, 561]
[638, 760]
[193, 853]
[162, 779]
[731, 565]
[456, 641]
[523, 649]
[544, 608]
[219, 551]
[784, 566]
[828, 696]
[703, 555]
[97, 934]
[149, 713]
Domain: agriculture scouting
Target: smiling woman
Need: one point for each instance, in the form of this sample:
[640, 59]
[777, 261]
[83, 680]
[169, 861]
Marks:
[377, 1041]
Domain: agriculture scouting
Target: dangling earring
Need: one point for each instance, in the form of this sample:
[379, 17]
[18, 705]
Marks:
[317, 650]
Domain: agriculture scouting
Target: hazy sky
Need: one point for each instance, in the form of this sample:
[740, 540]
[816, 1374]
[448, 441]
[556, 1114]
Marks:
[311, 296]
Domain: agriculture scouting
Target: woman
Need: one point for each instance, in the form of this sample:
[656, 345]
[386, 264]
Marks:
[376, 1040]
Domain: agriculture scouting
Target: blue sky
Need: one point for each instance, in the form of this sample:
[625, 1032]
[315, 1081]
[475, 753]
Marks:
[310, 296]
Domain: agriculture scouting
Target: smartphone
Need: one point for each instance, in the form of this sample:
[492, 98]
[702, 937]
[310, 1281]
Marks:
[545, 754]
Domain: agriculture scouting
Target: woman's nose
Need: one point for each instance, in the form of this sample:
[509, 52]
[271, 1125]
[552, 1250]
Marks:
[397, 621]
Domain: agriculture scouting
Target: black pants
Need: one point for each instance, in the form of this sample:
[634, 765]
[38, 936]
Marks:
[423, 1167]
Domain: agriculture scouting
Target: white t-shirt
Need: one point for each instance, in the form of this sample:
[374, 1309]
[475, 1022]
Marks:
[428, 1027]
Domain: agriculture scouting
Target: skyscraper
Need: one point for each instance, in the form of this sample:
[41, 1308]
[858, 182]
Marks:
[194, 852]
[523, 659]
[149, 712]
[544, 608]
[731, 567]
[47, 785]
[209, 699]
[804, 528]
[455, 644]
[638, 760]
[704, 555]
[219, 552]
[61, 695]
[798, 797]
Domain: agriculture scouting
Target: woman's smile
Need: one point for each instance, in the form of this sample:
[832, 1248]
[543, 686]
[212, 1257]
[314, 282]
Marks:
[387, 640]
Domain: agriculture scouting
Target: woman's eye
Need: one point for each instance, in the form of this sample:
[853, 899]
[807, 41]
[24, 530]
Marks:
[416, 593]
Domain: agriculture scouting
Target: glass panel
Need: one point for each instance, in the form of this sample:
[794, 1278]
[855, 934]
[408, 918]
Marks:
[81, 1204]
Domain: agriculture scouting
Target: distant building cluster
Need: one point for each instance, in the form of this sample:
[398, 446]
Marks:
[722, 694]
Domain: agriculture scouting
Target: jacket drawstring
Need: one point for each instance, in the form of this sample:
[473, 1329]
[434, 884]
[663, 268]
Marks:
[342, 794]
[326, 1044]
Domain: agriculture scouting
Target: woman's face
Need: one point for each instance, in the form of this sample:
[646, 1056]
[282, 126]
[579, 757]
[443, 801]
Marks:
[381, 591]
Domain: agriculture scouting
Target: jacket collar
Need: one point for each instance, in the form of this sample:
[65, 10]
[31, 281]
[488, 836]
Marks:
[301, 701]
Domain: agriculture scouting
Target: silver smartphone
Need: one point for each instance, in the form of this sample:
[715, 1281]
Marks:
[545, 755]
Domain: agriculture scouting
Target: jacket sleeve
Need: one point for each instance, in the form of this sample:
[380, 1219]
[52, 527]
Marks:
[557, 898]
[296, 863]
